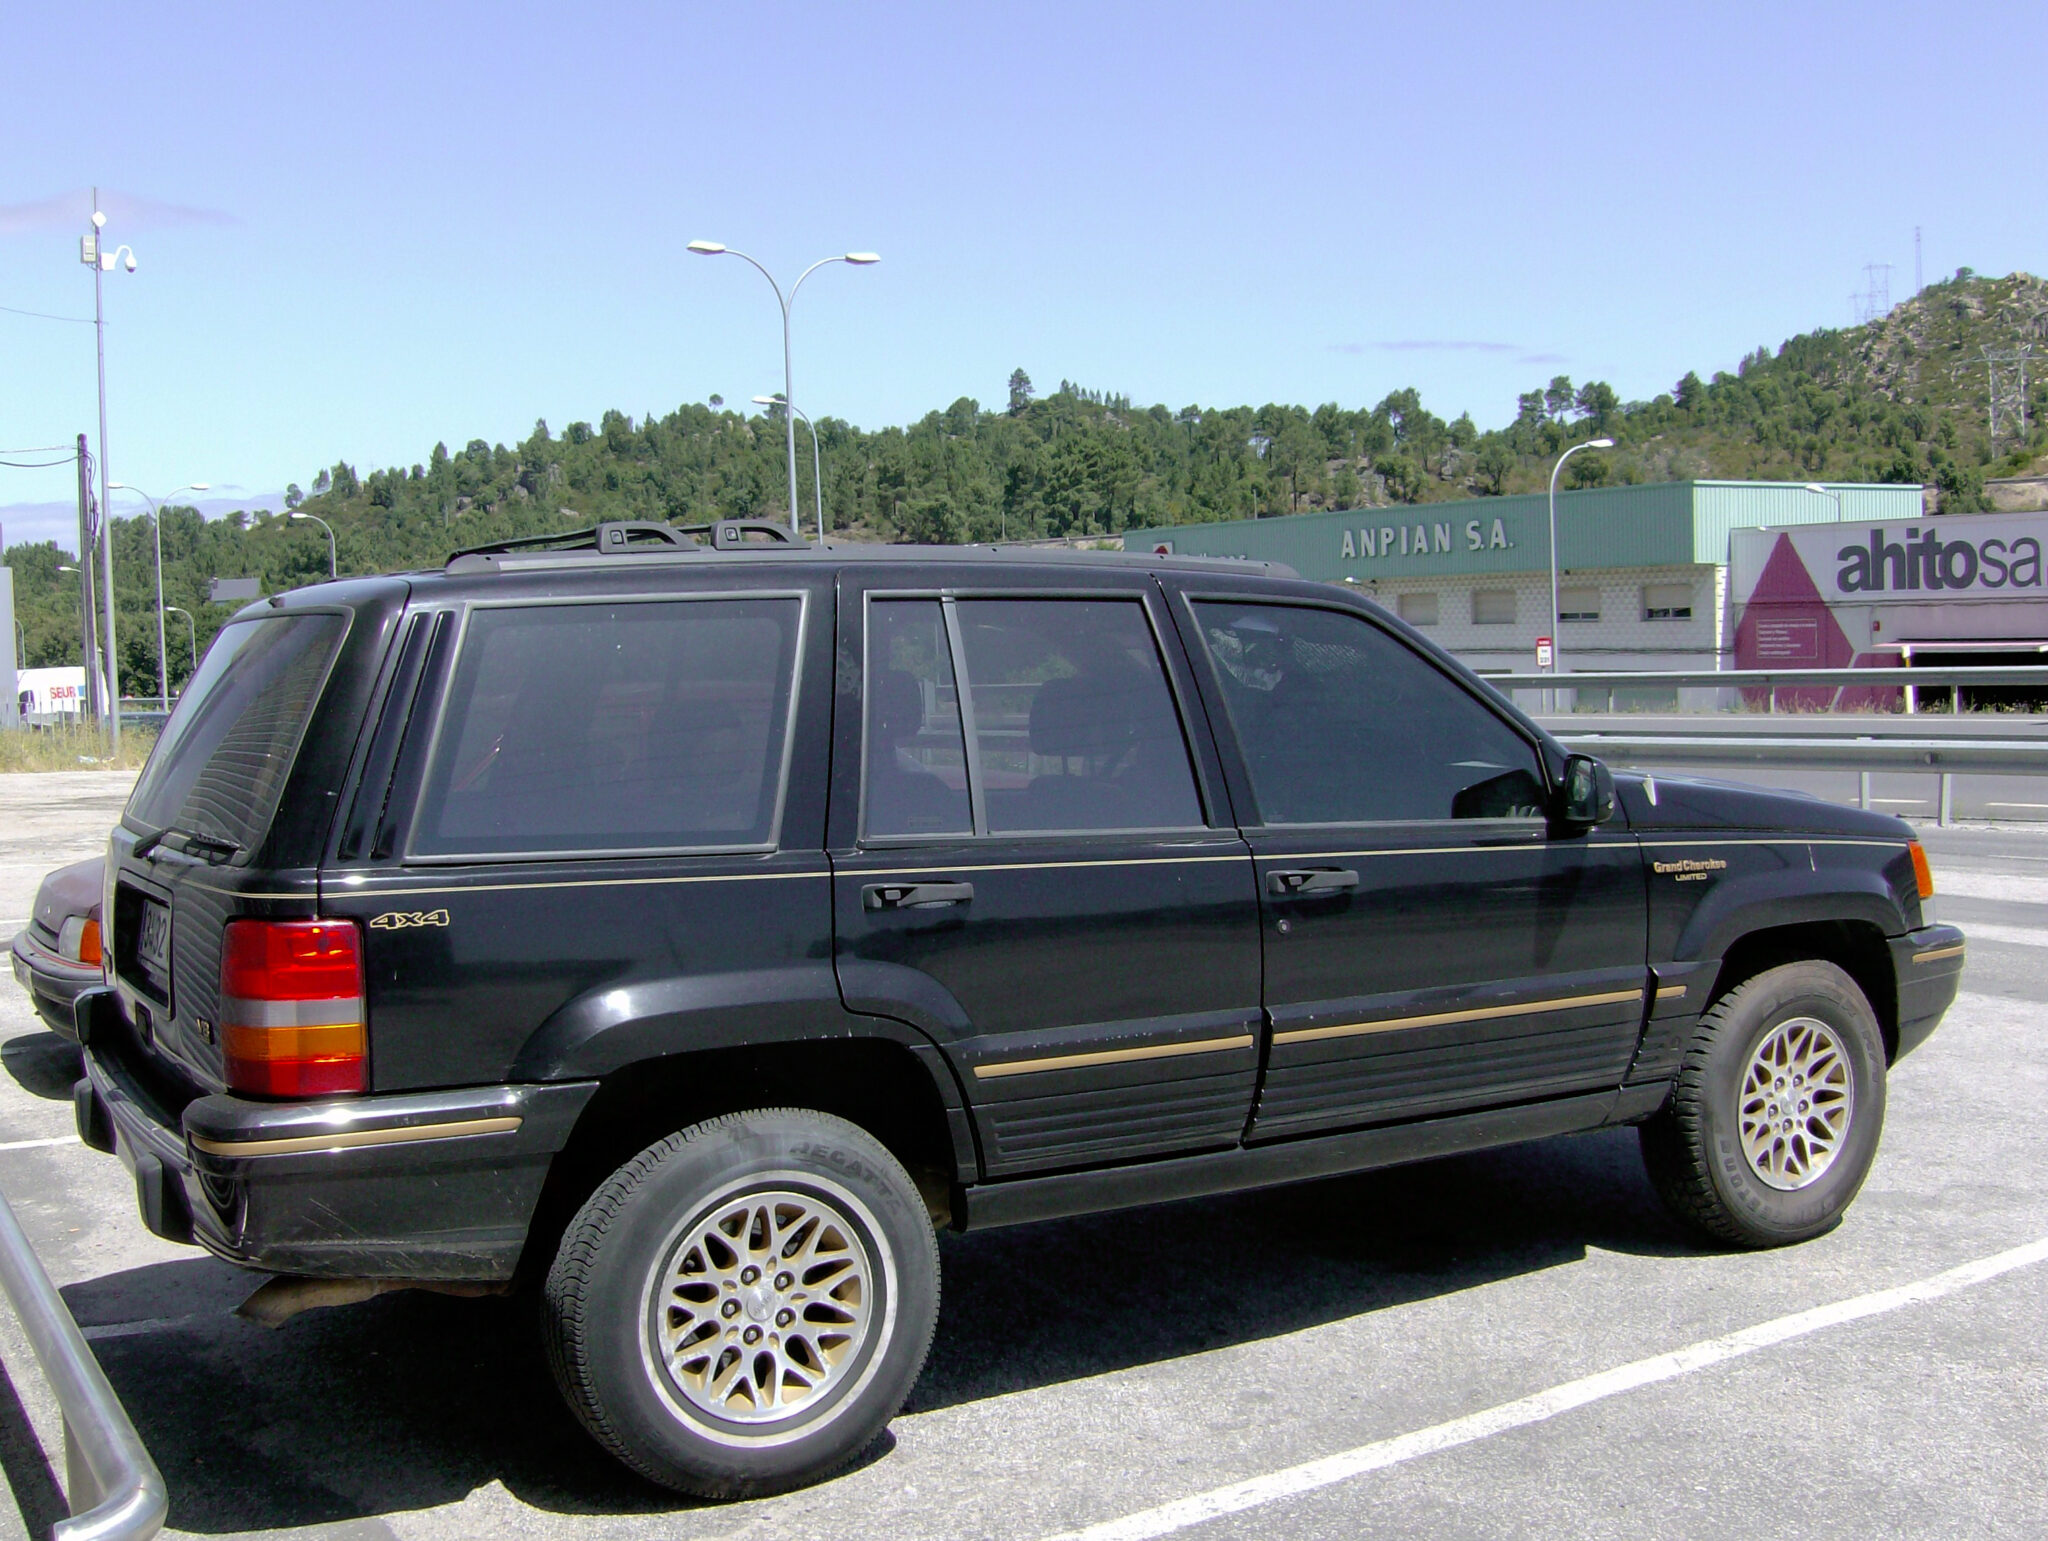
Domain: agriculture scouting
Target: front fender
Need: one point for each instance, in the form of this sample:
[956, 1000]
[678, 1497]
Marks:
[1759, 901]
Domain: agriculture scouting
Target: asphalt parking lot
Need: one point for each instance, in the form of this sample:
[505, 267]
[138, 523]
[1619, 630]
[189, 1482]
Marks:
[1405, 1353]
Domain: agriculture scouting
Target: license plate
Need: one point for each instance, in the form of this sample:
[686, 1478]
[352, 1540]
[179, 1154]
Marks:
[153, 942]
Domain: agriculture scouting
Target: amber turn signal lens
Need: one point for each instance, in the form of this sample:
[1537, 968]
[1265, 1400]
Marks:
[1922, 873]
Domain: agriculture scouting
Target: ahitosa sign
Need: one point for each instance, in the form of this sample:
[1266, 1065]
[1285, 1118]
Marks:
[1926, 558]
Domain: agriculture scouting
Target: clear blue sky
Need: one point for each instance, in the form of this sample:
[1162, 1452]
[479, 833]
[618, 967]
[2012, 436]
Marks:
[364, 228]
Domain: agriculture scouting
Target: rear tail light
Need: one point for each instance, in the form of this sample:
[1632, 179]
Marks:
[79, 940]
[1923, 874]
[291, 1008]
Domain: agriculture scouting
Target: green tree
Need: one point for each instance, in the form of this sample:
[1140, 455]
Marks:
[1020, 392]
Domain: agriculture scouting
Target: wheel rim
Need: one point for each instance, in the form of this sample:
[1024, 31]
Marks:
[1797, 1100]
[764, 1305]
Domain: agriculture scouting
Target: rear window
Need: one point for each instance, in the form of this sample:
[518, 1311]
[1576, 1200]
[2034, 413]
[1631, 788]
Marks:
[220, 766]
[650, 726]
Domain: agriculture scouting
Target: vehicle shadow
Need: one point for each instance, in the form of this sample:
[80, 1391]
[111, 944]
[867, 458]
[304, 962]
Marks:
[43, 1064]
[413, 1400]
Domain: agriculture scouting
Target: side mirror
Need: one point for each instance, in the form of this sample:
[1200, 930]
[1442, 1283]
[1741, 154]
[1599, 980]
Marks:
[1585, 794]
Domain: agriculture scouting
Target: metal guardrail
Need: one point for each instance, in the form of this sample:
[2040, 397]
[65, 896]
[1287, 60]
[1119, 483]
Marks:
[1934, 677]
[1989, 756]
[114, 1489]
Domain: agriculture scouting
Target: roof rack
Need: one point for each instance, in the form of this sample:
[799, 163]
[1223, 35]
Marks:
[619, 537]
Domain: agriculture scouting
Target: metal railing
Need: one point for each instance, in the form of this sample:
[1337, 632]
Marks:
[113, 1487]
[1933, 677]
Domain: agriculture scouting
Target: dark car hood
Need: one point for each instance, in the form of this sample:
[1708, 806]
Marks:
[1692, 802]
[72, 890]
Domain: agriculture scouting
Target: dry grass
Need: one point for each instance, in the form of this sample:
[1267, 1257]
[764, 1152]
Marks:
[73, 749]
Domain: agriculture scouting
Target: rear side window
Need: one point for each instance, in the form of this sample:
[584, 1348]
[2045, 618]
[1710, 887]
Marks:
[653, 726]
[1341, 723]
[220, 767]
[917, 759]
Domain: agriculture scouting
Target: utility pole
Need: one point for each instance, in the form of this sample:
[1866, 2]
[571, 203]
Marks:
[99, 331]
[87, 653]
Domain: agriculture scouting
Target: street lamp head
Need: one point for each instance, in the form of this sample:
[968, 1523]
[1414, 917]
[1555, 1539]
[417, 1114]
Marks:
[99, 220]
[297, 515]
[130, 264]
[1599, 444]
[705, 248]
[1817, 487]
[199, 486]
[66, 567]
[862, 258]
[769, 401]
[118, 487]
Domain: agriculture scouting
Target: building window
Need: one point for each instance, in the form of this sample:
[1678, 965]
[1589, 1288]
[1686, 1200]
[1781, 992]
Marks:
[1578, 604]
[1418, 609]
[1667, 601]
[1493, 607]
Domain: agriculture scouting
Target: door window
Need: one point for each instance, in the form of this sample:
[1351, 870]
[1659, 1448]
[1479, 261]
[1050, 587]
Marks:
[916, 756]
[1074, 726]
[613, 727]
[1341, 723]
[1066, 723]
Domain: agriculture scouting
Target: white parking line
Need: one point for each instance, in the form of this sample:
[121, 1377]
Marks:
[138, 1329]
[1306, 1478]
[2011, 936]
[55, 1139]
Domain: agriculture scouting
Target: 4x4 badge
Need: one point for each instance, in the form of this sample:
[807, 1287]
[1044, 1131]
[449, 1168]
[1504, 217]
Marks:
[401, 920]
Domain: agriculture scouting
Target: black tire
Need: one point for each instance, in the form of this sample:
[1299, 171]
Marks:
[1694, 1148]
[651, 1260]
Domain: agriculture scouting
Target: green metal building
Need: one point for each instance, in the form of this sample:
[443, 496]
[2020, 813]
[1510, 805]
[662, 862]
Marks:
[1643, 569]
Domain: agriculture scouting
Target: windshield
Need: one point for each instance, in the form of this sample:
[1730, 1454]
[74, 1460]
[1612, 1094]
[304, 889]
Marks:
[220, 766]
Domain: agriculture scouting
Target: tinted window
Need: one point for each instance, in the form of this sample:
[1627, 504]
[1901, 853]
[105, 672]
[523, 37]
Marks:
[1074, 725]
[613, 727]
[219, 768]
[1341, 723]
[916, 757]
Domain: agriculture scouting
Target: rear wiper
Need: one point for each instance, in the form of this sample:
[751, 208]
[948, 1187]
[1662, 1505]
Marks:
[210, 845]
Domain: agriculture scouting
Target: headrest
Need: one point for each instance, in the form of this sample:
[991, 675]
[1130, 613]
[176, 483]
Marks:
[895, 705]
[1070, 716]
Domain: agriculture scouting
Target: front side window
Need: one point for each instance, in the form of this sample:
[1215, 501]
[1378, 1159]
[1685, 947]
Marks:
[613, 727]
[1341, 723]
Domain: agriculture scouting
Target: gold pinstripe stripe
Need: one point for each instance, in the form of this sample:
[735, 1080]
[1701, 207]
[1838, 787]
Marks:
[342, 1139]
[1667, 992]
[1439, 1018]
[1112, 1056]
[1938, 953]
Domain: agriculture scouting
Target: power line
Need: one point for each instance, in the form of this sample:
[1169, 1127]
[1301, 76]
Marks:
[43, 315]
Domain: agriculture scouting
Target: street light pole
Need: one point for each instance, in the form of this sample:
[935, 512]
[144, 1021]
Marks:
[1817, 489]
[156, 524]
[193, 633]
[1556, 647]
[817, 466]
[331, 572]
[857, 259]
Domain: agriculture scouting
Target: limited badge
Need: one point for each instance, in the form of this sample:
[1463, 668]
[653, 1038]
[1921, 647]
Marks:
[405, 920]
[1691, 871]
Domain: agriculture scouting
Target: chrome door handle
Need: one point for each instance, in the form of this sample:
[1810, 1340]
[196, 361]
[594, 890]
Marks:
[915, 896]
[1288, 883]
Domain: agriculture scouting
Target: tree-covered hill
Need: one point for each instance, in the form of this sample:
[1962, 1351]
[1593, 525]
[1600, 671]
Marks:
[1900, 400]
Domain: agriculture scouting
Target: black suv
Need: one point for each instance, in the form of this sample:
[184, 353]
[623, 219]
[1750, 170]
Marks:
[690, 929]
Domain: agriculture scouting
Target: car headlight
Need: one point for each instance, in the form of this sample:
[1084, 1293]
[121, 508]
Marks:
[79, 939]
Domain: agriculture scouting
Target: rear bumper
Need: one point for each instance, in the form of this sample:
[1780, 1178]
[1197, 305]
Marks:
[1928, 964]
[422, 1185]
[51, 980]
